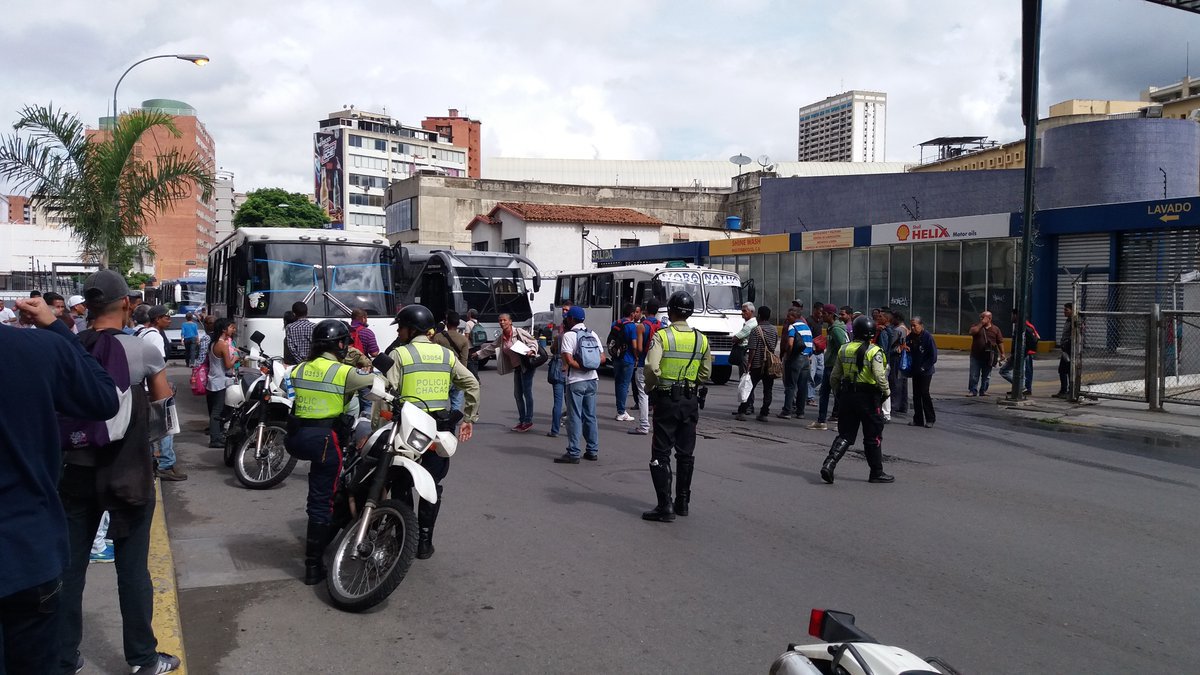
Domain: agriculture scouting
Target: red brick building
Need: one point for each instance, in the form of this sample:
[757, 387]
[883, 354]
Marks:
[463, 132]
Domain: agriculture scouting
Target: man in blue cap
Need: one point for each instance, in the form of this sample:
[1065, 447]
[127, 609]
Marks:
[582, 354]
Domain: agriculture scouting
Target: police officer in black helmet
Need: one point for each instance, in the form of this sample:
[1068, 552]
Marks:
[678, 361]
[860, 378]
[318, 429]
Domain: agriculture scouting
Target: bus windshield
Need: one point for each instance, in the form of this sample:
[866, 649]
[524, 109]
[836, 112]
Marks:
[284, 273]
[495, 291]
[722, 291]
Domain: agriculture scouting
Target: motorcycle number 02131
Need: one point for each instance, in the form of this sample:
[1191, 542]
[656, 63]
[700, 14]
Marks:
[373, 512]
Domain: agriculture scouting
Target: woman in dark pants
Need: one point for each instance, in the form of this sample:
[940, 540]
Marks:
[922, 352]
[221, 357]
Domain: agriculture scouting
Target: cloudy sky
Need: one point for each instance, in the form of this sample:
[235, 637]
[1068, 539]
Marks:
[619, 79]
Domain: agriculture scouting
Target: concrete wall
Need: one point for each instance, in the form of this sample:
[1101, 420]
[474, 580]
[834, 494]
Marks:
[554, 247]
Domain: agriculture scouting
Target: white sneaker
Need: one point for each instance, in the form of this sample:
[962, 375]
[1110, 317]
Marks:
[166, 664]
[624, 417]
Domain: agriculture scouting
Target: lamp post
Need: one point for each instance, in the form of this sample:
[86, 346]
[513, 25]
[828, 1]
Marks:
[198, 59]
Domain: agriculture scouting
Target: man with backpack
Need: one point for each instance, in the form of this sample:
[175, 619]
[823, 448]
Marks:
[154, 333]
[641, 335]
[362, 338]
[582, 354]
[57, 377]
[1031, 339]
[114, 473]
[618, 348]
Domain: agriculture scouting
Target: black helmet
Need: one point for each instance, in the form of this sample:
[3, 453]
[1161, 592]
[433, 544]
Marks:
[416, 317]
[331, 335]
[863, 328]
[681, 304]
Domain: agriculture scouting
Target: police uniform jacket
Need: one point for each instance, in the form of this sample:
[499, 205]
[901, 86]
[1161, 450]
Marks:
[459, 376]
[874, 362]
[658, 345]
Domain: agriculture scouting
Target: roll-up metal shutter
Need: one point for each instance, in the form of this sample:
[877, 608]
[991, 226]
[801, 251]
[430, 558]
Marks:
[1157, 256]
[1083, 257]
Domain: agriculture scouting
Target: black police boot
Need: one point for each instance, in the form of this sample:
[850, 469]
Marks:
[875, 461]
[683, 483]
[661, 473]
[427, 514]
[315, 541]
[836, 451]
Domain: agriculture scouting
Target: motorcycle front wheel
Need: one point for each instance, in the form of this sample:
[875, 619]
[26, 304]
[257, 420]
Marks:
[266, 469]
[359, 582]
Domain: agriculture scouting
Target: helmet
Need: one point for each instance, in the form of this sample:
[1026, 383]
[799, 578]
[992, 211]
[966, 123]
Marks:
[680, 303]
[863, 328]
[416, 317]
[333, 336]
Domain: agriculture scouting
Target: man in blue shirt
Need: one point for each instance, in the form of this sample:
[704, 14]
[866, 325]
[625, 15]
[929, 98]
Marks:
[56, 375]
[638, 334]
[797, 352]
[190, 332]
[623, 362]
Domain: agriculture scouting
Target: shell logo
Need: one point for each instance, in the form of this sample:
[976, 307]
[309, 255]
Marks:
[902, 233]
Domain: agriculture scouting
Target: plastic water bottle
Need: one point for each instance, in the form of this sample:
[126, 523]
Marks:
[287, 386]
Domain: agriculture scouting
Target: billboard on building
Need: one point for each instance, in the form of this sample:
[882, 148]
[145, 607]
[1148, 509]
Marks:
[987, 226]
[327, 169]
[818, 240]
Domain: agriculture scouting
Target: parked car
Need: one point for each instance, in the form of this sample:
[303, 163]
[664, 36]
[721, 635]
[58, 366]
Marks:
[175, 348]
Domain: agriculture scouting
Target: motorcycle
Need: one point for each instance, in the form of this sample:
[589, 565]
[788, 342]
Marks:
[254, 441]
[373, 509]
[846, 649]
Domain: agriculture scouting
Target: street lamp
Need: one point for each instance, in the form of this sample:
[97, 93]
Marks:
[198, 59]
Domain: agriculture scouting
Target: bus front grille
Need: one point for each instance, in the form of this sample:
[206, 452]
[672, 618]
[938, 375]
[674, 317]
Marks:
[719, 342]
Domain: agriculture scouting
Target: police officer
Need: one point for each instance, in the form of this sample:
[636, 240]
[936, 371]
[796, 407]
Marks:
[318, 428]
[860, 378]
[678, 360]
[422, 375]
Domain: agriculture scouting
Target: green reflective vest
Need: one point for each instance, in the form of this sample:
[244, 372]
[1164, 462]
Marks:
[320, 386]
[426, 374]
[849, 358]
[681, 348]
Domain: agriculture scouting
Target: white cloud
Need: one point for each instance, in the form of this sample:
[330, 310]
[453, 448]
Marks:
[621, 79]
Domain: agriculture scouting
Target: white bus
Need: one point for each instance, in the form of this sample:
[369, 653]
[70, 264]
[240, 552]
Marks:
[256, 273]
[717, 295]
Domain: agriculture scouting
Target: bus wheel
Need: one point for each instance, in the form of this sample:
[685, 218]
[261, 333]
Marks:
[720, 374]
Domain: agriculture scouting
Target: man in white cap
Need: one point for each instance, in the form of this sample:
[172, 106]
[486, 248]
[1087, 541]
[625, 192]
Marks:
[78, 312]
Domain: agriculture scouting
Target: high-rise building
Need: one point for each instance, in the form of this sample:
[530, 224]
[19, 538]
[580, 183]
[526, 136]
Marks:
[182, 236]
[226, 201]
[357, 154]
[849, 127]
[463, 132]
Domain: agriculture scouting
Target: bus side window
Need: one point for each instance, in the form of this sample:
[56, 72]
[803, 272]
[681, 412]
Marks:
[579, 290]
[562, 290]
[602, 290]
[645, 291]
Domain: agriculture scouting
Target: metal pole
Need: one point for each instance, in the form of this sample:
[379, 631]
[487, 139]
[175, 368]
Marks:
[1154, 379]
[1076, 373]
[1031, 53]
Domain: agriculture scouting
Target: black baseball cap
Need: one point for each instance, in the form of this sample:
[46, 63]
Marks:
[158, 311]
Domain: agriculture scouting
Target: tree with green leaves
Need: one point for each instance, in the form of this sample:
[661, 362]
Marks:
[275, 207]
[99, 185]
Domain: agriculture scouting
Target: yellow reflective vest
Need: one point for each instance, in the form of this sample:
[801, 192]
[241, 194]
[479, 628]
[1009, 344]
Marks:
[850, 365]
[682, 355]
[426, 369]
[320, 386]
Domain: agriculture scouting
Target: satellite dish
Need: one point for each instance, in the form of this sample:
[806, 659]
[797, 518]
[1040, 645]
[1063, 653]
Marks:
[763, 161]
[740, 160]
[769, 167]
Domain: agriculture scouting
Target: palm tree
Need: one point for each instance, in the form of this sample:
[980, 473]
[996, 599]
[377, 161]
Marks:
[99, 185]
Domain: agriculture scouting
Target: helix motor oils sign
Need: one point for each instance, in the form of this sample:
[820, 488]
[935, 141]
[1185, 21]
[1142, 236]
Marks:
[945, 229]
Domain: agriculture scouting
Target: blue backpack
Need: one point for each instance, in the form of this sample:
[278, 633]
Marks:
[587, 349]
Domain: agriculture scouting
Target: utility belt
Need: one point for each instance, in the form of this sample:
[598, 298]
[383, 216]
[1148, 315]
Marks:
[339, 423]
[860, 387]
[679, 391]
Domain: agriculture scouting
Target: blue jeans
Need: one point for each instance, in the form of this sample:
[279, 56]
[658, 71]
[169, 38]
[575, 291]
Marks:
[560, 389]
[457, 398]
[166, 452]
[582, 406]
[981, 371]
[622, 376]
[523, 393]
[1006, 371]
[795, 384]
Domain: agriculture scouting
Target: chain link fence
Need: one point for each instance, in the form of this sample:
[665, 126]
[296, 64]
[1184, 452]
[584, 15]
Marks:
[1136, 342]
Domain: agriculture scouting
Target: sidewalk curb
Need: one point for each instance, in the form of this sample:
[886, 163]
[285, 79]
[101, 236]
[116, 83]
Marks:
[1067, 420]
[167, 626]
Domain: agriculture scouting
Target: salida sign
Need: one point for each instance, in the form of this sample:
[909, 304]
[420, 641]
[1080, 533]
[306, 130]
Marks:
[946, 229]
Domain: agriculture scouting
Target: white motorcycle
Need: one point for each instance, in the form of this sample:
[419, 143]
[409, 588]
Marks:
[254, 444]
[373, 509]
[848, 650]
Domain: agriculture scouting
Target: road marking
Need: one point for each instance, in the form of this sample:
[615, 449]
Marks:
[167, 627]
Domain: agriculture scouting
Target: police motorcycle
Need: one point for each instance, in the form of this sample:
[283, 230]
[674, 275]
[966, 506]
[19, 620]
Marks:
[373, 509]
[254, 441]
[846, 649]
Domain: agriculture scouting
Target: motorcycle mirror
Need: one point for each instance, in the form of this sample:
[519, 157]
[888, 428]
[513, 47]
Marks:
[383, 363]
[830, 625]
[256, 337]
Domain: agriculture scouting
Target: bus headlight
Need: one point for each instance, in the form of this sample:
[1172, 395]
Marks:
[418, 441]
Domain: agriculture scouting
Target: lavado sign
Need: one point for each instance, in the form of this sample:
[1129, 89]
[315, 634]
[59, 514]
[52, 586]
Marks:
[1168, 212]
[946, 229]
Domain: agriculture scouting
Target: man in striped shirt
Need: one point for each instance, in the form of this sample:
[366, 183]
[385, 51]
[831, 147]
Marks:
[297, 337]
[797, 352]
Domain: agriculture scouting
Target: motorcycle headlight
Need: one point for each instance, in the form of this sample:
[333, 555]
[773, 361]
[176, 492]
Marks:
[418, 441]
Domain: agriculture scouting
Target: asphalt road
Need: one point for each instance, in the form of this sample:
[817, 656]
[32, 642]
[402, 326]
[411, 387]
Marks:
[1001, 548]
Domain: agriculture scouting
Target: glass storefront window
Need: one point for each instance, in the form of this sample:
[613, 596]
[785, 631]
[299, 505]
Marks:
[787, 280]
[858, 280]
[923, 265]
[804, 278]
[946, 304]
[877, 277]
[839, 277]
[900, 280]
[771, 295]
[820, 276]
[757, 273]
[742, 268]
[1002, 262]
[975, 296]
